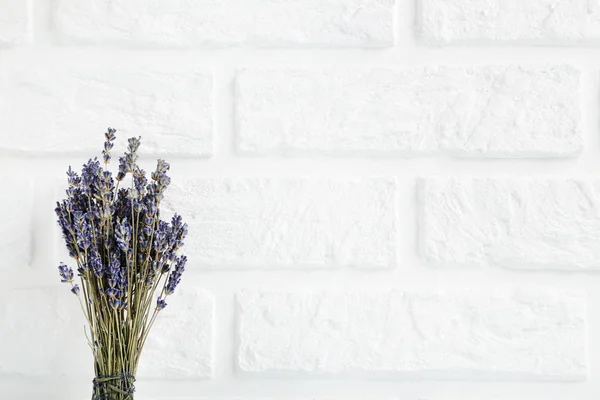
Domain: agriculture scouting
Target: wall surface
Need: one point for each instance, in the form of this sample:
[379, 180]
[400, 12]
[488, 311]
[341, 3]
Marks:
[386, 199]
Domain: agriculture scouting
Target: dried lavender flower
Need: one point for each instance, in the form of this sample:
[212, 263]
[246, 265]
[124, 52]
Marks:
[160, 303]
[124, 252]
[108, 144]
[66, 273]
[75, 289]
[175, 276]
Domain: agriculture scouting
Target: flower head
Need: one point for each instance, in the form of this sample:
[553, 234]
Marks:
[160, 303]
[65, 272]
[175, 276]
[108, 144]
[75, 289]
[123, 234]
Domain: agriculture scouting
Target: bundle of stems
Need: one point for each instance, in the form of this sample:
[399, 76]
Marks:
[126, 259]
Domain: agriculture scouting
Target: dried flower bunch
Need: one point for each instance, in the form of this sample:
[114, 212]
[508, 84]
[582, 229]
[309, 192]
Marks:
[127, 260]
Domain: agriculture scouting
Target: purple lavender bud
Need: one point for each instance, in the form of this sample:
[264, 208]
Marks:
[150, 206]
[150, 278]
[104, 186]
[75, 289]
[143, 246]
[83, 230]
[160, 304]
[96, 262]
[162, 236]
[134, 144]
[108, 146]
[164, 266]
[73, 178]
[175, 276]
[123, 234]
[141, 257]
[170, 256]
[164, 180]
[131, 159]
[140, 182]
[176, 221]
[114, 302]
[162, 166]
[123, 168]
[180, 231]
[89, 176]
[114, 263]
[65, 272]
[147, 229]
[122, 280]
[137, 206]
[110, 134]
[106, 155]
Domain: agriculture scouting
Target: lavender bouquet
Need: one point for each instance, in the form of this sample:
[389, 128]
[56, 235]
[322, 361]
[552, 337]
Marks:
[126, 259]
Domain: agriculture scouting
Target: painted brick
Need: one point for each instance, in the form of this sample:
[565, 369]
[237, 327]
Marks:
[15, 22]
[171, 108]
[547, 22]
[16, 233]
[288, 223]
[42, 334]
[518, 334]
[513, 223]
[487, 111]
[227, 22]
[181, 343]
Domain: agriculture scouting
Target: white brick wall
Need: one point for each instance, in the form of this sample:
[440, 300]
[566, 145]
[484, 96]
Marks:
[172, 106]
[387, 199]
[15, 22]
[289, 223]
[227, 22]
[495, 111]
[16, 212]
[512, 223]
[546, 22]
[42, 334]
[521, 334]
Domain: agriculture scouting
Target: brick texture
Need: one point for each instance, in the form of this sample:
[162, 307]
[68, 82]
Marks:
[16, 232]
[42, 334]
[227, 22]
[288, 223]
[357, 177]
[491, 111]
[15, 22]
[511, 223]
[173, 109]
[514, 22]
[502, 334]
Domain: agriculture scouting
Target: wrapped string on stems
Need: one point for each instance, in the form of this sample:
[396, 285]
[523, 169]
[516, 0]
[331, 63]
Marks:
[127, 260]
